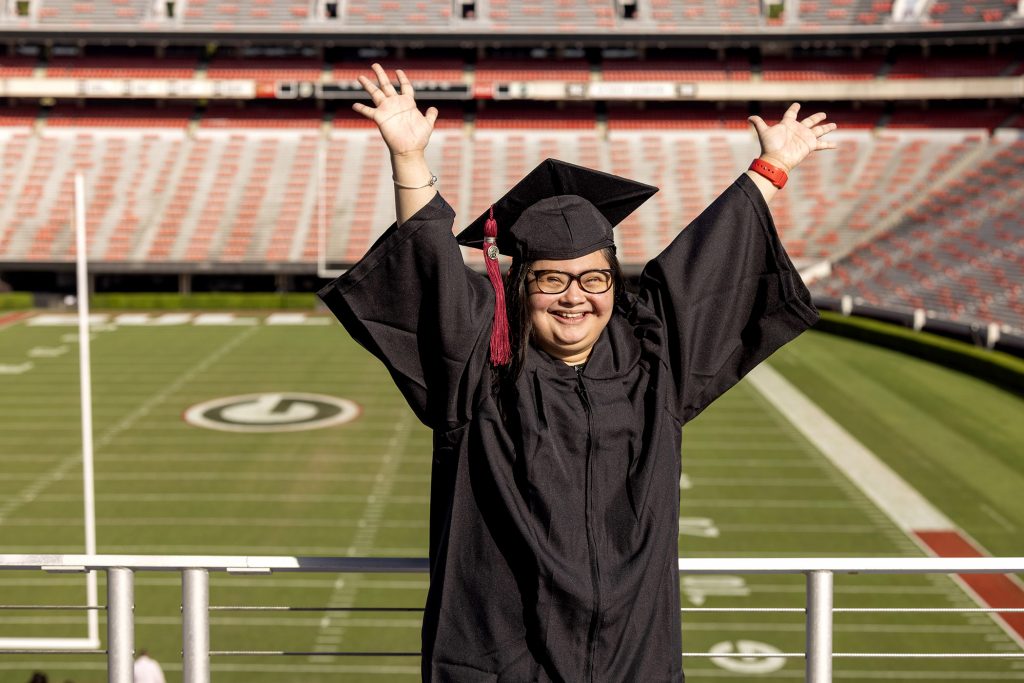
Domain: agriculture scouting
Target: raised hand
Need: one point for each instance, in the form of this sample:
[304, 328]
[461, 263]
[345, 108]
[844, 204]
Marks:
[404, 129]
[789, 141]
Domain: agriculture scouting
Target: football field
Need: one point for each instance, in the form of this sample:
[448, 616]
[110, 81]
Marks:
[753, 486]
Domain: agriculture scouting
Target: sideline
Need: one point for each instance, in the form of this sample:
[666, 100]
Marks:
[916, 516]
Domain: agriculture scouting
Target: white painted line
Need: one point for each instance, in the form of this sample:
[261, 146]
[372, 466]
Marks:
[1000, 519]
[65, 320]
[63, 467]
[886, 489]
[47, 351]
[222, 319]
[297, 319]
[15, 368]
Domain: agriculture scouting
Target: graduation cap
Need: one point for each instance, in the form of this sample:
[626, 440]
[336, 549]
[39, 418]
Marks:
[558, 211]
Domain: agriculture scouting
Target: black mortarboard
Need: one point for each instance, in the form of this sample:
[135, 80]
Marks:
[558, 211]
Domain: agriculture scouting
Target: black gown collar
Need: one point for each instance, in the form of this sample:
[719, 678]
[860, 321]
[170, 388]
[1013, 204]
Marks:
[616, 352]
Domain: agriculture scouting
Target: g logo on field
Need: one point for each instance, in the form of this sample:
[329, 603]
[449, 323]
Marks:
[272, 412]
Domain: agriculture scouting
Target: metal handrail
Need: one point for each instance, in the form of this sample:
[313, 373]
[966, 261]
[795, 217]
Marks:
[196, 608]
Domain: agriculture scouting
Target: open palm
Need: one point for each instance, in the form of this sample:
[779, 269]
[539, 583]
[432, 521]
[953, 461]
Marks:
[789, 141]
[401, 124]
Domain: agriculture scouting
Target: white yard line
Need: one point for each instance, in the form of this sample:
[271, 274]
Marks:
[890, 493]
[34, 489]
[144, 498]
[876, 480]
[284, 522]
[332, 628]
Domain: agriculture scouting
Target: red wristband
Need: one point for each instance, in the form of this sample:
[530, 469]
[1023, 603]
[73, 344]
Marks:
[772, 173]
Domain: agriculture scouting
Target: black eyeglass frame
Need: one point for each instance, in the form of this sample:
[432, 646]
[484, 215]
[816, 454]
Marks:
[610, 272]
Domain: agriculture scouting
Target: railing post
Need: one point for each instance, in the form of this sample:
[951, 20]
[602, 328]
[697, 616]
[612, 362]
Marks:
[819, 627]
[120, 625]
[195, 625]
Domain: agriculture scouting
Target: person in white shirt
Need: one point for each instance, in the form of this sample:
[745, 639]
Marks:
[147, 669]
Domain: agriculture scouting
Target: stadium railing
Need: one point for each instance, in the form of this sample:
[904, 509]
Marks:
[195, 603]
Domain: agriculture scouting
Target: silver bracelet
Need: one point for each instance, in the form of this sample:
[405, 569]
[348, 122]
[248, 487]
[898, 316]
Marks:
[430, 183]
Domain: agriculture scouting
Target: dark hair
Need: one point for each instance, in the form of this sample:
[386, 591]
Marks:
[517, 307]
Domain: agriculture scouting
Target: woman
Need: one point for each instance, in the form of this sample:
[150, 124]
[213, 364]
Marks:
[554, 497]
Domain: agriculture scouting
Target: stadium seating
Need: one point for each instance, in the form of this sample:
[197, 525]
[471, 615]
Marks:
[491, 71]
[676, 70]
[93, 12]
[965, 66]
[844, 12]
[224, 184]
[820, 69]
[959, 253]
[961, 11]
[119, 67]
[266, 69]
[425, 13]
[12, 66]
[563, 15]
[668, 14]
[229, 14]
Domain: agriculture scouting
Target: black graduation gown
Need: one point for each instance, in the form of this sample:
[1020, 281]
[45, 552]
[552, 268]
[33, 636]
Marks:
[554, 529]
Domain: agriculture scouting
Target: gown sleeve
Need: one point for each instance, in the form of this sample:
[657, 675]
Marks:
[412, 302]
[727, 297]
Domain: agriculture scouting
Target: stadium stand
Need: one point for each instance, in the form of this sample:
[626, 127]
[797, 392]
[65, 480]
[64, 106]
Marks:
[419, 13]
[266, 69]
[679, 69]
[565, 15]
[119, 67]
[963, 67]
[418, 70]
[844, 12]
[93, 12]
[960, 253]
[726, 14]
[820, 69]
[518, 115]
[280, 14]
[491, 71]
[14, 65]
[967, 11]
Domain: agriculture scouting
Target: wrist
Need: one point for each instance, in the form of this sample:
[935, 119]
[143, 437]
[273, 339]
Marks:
[774, 161]
[770, 171]
[409, 157]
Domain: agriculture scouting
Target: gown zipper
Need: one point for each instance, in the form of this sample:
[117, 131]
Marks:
[595, 574]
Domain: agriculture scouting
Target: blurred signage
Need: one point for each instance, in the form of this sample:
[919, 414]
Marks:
[114, 88]
[351, 90]
[604, 90]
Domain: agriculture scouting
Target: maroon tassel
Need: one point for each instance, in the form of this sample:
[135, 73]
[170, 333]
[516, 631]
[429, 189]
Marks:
[501, 349]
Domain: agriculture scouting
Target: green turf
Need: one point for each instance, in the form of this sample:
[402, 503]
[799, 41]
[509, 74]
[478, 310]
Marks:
[754, 487]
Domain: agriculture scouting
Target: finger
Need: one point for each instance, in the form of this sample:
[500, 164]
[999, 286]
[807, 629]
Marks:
[814, 119]
[431, 116]
[405, 84]
[759, 125]
[823, 130]
[383, 80]
[793, 110]
[363, 109]
[373, 91]
[825, 144]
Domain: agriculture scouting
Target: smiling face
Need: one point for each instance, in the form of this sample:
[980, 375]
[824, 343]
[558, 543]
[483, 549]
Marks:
[567, 325]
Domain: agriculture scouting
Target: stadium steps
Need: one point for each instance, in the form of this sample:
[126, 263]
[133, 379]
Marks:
[55, 200]
[285, 241]
[229, 177]
[17, 152]
[192, 191]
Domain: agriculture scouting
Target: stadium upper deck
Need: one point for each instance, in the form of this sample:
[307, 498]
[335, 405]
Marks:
[440, 18]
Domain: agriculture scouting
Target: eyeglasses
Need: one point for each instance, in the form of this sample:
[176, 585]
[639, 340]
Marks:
[590, 281]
